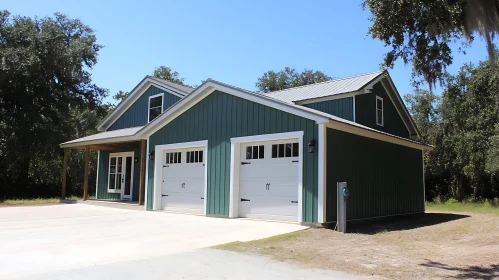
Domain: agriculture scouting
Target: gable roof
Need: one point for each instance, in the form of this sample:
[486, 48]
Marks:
[329, 120]
[329, 88]
[137, 91]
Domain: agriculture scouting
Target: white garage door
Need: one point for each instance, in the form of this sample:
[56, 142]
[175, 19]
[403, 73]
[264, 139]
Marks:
[268, 184]
[183, 180]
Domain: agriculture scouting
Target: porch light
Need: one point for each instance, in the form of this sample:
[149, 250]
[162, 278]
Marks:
[151, 155]
[311, 146]
[136, 160]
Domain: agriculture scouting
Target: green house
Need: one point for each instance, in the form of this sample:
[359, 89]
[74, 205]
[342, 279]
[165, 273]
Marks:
[219, 150]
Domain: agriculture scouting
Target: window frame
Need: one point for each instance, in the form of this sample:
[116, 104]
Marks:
[382, 111]
[149, 105]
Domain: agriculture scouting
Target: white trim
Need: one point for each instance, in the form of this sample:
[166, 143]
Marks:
[234, 167]
[328, 98]
[382, 111]
[149, 105]
[374, 134]
[101, 141]
[132, 97]
[208, 87]
[123, 170]
[146, 184]
[370, 86]
[424, 184]
[322, 184]
[402, 103]
[354, 109]
[97, 175]
[158, 158]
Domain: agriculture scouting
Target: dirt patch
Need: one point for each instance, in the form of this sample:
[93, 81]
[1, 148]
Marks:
[433, 245]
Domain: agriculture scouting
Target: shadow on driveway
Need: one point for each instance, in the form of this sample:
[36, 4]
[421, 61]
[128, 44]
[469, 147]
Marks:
[469, 272]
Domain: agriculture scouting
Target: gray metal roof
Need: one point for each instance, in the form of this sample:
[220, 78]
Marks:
[104, 137]
[186, 89]
[333, 87]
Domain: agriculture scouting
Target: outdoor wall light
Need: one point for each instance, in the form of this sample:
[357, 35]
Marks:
[311, 146]
[136, 160]
[151, 155]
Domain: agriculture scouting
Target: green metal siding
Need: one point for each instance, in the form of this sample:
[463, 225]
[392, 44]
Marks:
[365, 112]
[136, 115]
[219, 117]
[342, 108]
[384, 179]
[103, 176]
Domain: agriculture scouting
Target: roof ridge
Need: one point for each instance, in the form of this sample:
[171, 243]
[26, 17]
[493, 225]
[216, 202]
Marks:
[325, 82]
[170, 81]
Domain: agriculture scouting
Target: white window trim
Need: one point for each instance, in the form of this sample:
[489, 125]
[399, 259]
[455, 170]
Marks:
[158, 165]
[235, 159]
[149, 105]
[382, 111]
[123, 154]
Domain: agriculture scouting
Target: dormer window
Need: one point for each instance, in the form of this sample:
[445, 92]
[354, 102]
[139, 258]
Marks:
[379, 111]
[155, 106]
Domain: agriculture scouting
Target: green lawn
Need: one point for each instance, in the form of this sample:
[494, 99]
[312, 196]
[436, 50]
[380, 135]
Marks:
[451, 205]
[35, 201]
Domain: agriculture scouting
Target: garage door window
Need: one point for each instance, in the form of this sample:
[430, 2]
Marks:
[255, 152]
[285, 150]
[194, 156]
[172, 158]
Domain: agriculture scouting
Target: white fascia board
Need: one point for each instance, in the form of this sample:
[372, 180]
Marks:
[328, 98]
[209, 87]
[267, 137]
[100, 141]
[376, 135]
[369, 87]
[132, 97]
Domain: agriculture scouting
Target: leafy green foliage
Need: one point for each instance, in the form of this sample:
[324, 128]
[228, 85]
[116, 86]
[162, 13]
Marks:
[120, 96]
[288, 78]
[463, 129]
[46, 97]
[421, 31]
[166, 73]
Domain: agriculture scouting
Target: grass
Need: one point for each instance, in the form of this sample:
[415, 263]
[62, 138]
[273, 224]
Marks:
[35, 201]
[452, 205]
[266, 242]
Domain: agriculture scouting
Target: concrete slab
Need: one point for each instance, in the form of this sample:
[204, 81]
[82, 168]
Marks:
[45, 239]
[198, 264]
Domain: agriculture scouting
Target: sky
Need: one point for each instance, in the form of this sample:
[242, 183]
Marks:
[234, 42]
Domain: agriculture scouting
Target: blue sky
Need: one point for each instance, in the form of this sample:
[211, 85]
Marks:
[231, 41]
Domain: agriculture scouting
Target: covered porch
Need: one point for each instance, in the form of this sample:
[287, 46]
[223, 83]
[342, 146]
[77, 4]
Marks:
[121, 165]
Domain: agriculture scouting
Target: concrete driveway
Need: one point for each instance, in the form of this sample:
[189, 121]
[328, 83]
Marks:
[91, 242]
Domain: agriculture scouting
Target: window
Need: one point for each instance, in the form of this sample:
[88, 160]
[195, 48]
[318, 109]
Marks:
[194, 156]
[255, 152]
[379, 111]
[115, 173]
[155, 106]
[285, 150]
[172, 158]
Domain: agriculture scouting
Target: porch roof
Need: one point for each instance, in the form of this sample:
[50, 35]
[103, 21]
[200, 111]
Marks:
[113, 136]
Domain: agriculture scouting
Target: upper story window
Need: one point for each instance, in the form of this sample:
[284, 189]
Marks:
[155, 106]
[380, 120]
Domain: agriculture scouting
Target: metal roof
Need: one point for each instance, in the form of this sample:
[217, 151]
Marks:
[333, 87]
[104, 137]
[186, 89]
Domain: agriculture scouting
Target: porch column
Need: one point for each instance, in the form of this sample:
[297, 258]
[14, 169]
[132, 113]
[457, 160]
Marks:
[85, 180]
[64, 173]
[142, 171]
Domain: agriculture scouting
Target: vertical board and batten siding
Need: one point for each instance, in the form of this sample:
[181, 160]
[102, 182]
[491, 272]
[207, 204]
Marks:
[219, 117]
[384, 178]
[365, 112]
[138, 112]
[342, 108]
[104, 175]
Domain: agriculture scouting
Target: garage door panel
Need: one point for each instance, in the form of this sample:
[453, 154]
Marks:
[269, 184]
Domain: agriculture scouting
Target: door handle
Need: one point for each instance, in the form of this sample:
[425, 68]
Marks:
[183, 186]
[244, 199]
[267, 186]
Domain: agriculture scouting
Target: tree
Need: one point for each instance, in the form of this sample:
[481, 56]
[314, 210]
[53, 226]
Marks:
[120, 96]
[166, 73]
[421, 31]
[288, 78]
[44, 77]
